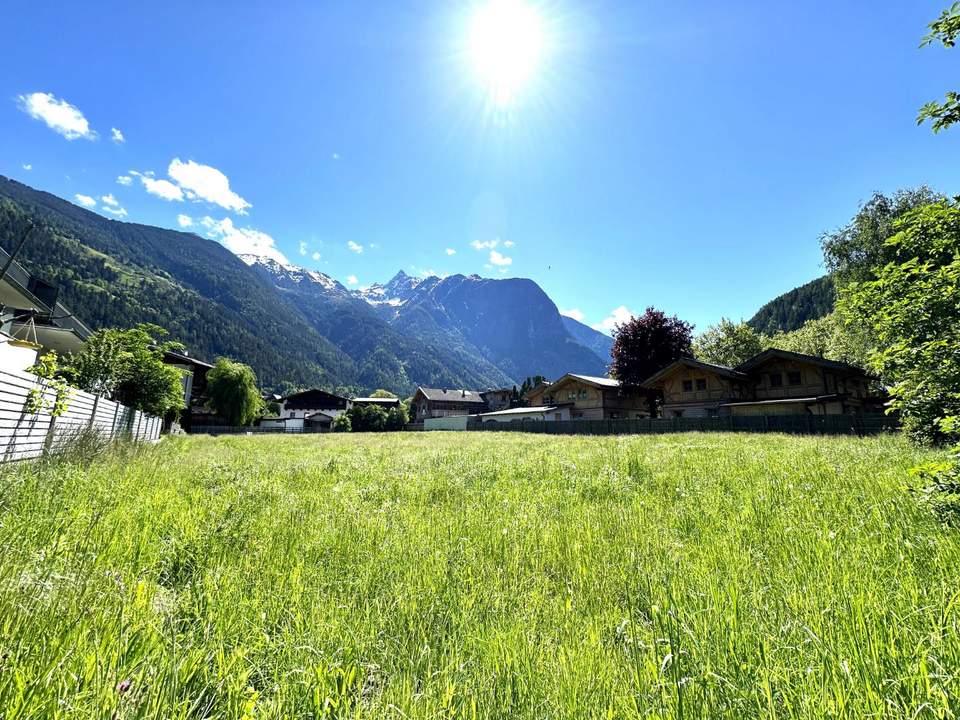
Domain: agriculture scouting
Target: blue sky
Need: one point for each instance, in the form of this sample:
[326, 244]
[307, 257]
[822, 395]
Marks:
[680, 154]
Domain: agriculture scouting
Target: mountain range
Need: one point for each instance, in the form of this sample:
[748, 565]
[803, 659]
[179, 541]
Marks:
[297, 327]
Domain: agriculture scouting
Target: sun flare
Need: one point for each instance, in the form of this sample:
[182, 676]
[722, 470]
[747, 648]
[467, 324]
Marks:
[506, 45]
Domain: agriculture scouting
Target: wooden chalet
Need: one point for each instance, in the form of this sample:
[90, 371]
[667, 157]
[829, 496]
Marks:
[437, 403]
[587, 397]
[774, 382]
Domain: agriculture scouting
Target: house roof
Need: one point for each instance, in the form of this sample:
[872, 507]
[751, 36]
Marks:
[594, 380]
[444, 395]
[377, 400]
[312, 391]
[182, 359]
[761, 358]
[521, 411]
[722, 370]
[319, 416]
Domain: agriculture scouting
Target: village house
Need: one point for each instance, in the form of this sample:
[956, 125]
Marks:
[32, 320]
[307, 410]
[499, 399]
[437, 403]
[774, 382]
[586, 397]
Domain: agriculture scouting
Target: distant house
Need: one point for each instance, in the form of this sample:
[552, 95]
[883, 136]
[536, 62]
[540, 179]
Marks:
[436, 403]
[556, 413]
[384, 402]
[310, 408]
[774, 382]
[587, 397]
[194, 377]
[499, 399]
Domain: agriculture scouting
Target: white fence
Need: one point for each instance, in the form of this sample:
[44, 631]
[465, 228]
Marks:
[25, 435]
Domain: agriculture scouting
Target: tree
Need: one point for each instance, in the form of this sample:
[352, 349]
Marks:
[913, 306]
[233, 393]
[381, 393]
[397, 418]
[127, 366]
[833, 337]
[648, 343]
[727, 343]
[944, 29]
[341, 423]
[367, 418]
[852, 252]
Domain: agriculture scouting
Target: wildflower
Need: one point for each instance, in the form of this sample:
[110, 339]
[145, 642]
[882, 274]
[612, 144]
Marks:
[124, 685]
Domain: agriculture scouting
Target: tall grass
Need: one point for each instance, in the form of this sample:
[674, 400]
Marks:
[478, 575]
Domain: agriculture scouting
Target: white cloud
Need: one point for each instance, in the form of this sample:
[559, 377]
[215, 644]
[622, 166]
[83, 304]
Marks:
[27, 166]
[497, 259]
[358, 249]
[184, 221]
[316, 256]
[243, 241]
[206, 183]
[85, 200]
[117, 211]
[335, 156]
[117, 136]
[508, 243]
[574, 313]
[59, 115]
[303, 248]
[110, 200]
[352, 280]
[617, 316]
[161, 188]
[451, 251]
[124, 179]
[485, 245]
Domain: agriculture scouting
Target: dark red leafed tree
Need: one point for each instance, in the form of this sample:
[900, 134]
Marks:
[646, 344]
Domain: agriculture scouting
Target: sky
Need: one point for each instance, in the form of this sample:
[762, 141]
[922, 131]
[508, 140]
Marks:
[677, 154]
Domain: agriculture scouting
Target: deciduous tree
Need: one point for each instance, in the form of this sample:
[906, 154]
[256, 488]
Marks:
[232, 390]
[727, 343]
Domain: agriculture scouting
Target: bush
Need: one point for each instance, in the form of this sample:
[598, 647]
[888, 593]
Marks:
[341, 423]
[938, 486]
[397, 418]
[367, 418]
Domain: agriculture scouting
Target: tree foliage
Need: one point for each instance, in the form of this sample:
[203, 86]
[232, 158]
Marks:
[645, 344]
[727, 343]
[834, 337]
[397, 418]
[852, 252]
[127, 366]
[381, 393]
[912, 304]
[232, 390]
[341, 423]
[945, 30]
[367, 418]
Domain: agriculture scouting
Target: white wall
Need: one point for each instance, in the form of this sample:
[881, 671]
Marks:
[15, 358]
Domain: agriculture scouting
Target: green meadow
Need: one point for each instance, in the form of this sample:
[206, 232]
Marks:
[487, 575]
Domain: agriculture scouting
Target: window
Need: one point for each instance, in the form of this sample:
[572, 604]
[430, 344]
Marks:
[614, 416]
[571, 395]
[701, 383]
[793, 377]
[776, 380]
[688, 385]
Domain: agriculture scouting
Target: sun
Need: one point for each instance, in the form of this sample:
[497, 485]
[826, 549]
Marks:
[506, 47]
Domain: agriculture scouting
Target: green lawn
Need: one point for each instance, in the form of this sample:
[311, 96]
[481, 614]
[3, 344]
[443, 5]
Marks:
[433, 575]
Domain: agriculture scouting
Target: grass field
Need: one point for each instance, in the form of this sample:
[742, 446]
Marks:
[478, 575]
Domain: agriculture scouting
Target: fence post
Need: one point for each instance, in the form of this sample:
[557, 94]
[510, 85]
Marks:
[51, 430]
[93, 413]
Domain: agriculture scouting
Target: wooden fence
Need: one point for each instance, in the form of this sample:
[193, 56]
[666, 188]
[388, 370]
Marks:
[792, 424]
[25, 435]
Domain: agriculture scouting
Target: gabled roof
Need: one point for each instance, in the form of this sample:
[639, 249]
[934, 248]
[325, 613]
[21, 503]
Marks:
[444, 395]
[772, 353]
[314, 399]
[594, 380]
[721, 370]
